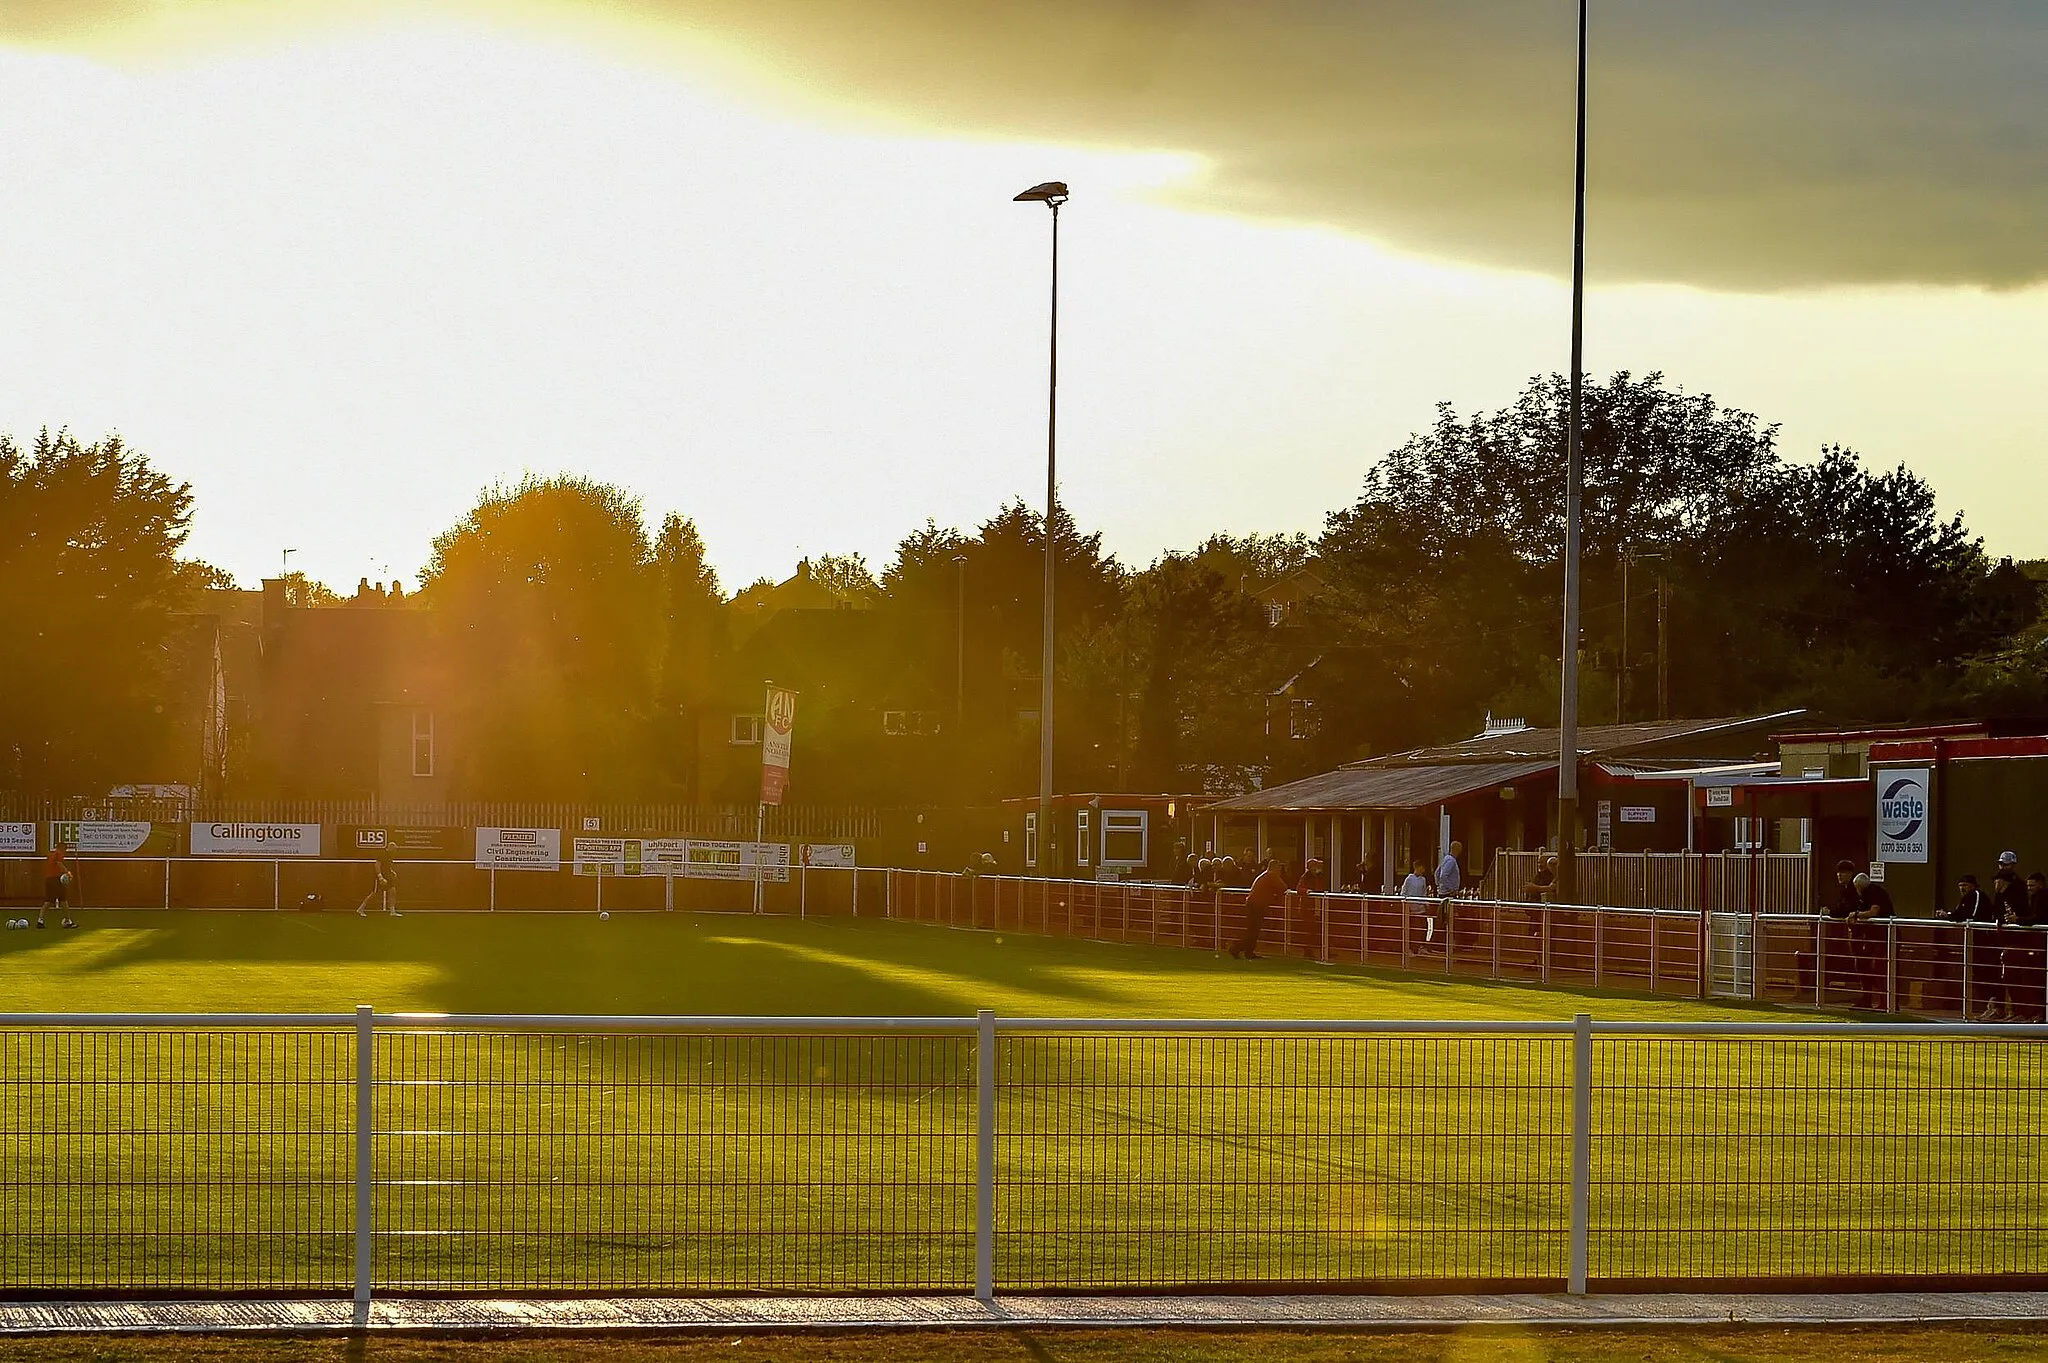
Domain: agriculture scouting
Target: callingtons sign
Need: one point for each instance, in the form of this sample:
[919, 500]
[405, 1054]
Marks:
[255, 839]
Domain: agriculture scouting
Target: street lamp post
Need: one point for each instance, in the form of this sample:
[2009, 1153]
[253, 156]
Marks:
[960, 676]
[1052, 194]
[1574, 477]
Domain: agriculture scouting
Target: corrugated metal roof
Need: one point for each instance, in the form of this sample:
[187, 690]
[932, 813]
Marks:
[1404, 787]
[1594, 740]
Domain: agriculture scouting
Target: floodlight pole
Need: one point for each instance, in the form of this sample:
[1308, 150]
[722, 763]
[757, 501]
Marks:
[1574, 477]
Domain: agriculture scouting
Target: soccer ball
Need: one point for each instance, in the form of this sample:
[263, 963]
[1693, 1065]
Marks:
[605, 914]
[14, 923]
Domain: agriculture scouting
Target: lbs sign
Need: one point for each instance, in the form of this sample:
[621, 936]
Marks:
[1903, 814]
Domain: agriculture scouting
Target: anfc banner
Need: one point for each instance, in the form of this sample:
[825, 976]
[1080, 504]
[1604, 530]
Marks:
[775, 743]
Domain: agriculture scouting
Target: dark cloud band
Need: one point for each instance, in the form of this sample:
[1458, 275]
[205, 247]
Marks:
[1736, 143]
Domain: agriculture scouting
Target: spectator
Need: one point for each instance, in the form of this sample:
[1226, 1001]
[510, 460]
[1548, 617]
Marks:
[2026, 990]
[1829, 941]
[1972, 906]
[1868, 939]
[1308, 909]
[1198, 877]
[1416, 891]
[2008, 905]
[1450, 874]
[1538, 890]
[1269, 890]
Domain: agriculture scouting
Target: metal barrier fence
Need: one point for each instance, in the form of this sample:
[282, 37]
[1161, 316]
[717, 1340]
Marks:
[332, 884]
[1927, 967]
[1725, 882]
[336, 1154]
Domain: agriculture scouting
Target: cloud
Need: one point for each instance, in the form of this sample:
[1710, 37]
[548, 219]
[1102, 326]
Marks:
[1745, 144]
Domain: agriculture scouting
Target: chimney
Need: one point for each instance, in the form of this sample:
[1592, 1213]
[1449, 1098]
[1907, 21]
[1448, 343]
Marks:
[273, 605]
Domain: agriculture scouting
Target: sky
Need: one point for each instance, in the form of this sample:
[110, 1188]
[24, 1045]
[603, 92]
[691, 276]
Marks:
[342, 266]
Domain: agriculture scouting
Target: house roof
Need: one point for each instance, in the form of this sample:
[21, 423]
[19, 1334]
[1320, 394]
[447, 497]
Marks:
[1404, 786]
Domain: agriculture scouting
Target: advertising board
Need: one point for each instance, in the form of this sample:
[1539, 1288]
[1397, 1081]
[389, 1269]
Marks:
[519, 849]
[255, 840]
[102, 837]
[407, 841]
[17, 837]
[1904, 809]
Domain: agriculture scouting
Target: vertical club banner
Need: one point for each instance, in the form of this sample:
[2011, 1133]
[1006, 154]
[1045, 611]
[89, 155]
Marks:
[775, 743]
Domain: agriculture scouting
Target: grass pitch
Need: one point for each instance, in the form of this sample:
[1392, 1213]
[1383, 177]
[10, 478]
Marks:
[173, 1161]
[154, 961]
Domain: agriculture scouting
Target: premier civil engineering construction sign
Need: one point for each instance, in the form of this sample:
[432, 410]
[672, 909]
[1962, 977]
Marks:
[775, 743]
[1904, 807]
[519, 849]
[255, 840]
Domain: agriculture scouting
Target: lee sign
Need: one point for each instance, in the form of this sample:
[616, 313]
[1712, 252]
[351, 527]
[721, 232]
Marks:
[1903, 814]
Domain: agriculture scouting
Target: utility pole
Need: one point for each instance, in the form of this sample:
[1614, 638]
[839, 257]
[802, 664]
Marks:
[1663, 650]
[1574, 477]
[1621, 658]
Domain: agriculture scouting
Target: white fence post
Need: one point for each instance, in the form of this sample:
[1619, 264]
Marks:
[985, 1155]
[1582, 1149]
[366, 1068]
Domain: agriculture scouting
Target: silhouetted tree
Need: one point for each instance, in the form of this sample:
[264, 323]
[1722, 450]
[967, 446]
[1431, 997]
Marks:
[549, 602]
[89, 540]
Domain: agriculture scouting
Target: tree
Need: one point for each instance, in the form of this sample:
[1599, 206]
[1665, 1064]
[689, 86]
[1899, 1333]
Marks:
[89, 541]
[303, 592]
[694, 630]
[1003, 579]
[549, 602]
[1791, 584]
[848, 575]
[1208, 661]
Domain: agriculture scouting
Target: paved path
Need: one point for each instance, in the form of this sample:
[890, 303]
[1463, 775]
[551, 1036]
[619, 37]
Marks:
[840, 1313]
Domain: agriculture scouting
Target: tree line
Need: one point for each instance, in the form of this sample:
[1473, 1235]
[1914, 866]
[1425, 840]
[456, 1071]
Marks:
[587, 644]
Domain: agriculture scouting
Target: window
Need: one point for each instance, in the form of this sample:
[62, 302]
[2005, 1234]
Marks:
[902, 723]
[1081, 840]
[746, 729]
[1125, 837]
[1301, 718]
[422, 743]
[1031, 840]
[1275, 613]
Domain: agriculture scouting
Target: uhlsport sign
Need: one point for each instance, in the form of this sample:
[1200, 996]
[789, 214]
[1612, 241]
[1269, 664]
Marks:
[255, 839]
[1904, 813]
